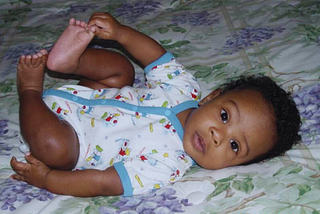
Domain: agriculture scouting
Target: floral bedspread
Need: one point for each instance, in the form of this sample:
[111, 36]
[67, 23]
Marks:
[217, 40]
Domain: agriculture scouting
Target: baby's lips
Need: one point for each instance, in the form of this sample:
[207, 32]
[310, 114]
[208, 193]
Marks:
[198, 143]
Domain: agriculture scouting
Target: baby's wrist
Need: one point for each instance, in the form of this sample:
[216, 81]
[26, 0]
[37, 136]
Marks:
[46, 183]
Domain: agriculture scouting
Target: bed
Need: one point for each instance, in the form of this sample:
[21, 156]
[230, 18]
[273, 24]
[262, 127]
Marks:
[217, 41]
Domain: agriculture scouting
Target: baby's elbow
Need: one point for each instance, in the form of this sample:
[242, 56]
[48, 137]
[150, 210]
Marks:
[110, 183]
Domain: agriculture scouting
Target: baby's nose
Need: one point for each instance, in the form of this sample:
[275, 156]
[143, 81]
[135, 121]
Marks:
[216, 136]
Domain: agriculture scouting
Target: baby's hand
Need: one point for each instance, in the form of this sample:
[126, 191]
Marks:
[33, 172]
[104, 26]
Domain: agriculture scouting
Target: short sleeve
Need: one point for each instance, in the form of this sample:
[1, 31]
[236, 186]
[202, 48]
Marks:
[145, 174]
[166, 72]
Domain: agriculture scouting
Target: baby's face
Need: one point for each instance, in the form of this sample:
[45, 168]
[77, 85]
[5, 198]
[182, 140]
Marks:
[229, 129]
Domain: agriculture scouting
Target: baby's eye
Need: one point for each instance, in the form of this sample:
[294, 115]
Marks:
[234, 146]
[224, 116]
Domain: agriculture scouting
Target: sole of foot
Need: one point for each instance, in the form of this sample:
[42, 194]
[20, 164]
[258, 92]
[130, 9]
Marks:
[66, 52]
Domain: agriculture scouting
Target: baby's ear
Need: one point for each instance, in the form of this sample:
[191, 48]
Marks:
[213, 94]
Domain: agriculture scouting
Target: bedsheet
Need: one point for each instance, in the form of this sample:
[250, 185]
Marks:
[217, 41]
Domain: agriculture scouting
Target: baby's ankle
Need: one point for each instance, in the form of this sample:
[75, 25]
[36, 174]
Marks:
[30, 90]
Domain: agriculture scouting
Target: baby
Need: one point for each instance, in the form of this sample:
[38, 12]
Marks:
[104, 137]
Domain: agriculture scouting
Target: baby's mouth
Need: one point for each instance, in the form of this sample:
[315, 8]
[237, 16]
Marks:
[198, 143]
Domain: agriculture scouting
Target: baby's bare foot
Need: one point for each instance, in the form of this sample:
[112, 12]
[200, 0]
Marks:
[65, 54]
[30, 71]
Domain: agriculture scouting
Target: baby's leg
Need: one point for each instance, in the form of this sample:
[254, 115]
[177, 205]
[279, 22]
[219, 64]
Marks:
[51, 140]
[100, 68]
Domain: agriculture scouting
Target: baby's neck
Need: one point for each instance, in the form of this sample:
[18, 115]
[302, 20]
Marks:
[183, 116]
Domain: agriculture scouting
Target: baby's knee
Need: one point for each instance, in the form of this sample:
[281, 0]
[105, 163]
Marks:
[56, 151]
[63, 161]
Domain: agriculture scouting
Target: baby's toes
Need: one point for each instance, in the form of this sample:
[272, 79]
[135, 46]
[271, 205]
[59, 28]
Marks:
[83, 24]
[43, 52]
[28, 60]
[39, 54]
[35, 60]
[72, 21]
[22, 60]
[78, 22]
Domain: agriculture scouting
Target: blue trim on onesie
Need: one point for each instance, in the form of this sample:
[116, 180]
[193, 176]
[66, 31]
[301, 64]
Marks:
[165, 58]
[169, 113]
[125, 179]
[184, 106]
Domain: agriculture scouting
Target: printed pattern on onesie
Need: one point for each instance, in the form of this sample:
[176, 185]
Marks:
[135, 130]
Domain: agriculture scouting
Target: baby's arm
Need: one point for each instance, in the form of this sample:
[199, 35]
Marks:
[82, 183]
[140, 46]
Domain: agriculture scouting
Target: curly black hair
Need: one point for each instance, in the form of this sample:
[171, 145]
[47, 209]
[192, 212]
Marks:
[286, 114]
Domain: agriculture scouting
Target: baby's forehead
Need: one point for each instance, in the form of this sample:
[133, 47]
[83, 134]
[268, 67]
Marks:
[242, 90]
[245, 93]
[252, 107]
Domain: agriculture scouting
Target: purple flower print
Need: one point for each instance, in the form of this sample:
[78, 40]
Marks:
[246, 37]
[308, 103]
[4, 148]
[77, 8]
[13, 192]
[107, 210]
[161, 201]
[14, 53]
[3, 127]
[196, 19]
[134, 10]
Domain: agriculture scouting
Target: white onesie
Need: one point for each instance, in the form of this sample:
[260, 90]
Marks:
[136, 130]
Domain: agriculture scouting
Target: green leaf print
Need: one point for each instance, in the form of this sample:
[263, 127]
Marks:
[16, 14]
[290, 195]
[85, 205]
[308, 33]
[221, 186]
[204, 72]
[6, 87]
[305, 9]
[244, 185]
[303, 188]
[174, 28]
[224, 180]
[166, 41]
[28, 2]
[163, 30]
[91, 209]
[179, 29]
[274, 188]
[287, 170]
[219, 189]
[201, 71]
[312, 198]
[177, 44]
[220, 66]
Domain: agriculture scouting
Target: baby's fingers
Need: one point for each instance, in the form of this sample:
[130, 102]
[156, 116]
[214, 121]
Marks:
[95, 30]
[17, 165]
[19, 169]
[18, 177]
[100, 22]
[100, 15]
